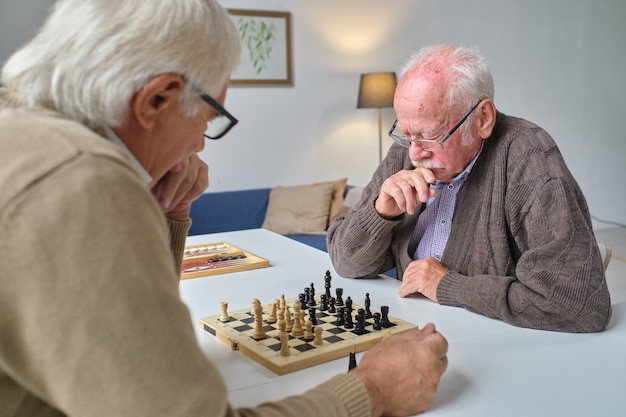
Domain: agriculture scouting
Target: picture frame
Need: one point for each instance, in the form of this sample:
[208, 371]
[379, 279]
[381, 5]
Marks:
[266, 47]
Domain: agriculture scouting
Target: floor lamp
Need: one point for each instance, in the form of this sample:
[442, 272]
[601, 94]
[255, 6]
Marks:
[376, 91]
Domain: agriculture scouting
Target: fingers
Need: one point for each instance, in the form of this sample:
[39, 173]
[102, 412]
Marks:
[182, 185]
[404, 191]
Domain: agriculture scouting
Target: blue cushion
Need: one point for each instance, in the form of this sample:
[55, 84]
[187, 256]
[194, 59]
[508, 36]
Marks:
[229, 210]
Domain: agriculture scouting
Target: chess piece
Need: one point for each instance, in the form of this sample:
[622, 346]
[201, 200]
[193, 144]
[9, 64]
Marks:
[368, 302]
[352, 362]
[259, 332]
[323, 302]
[302, 298]
[284, 344]
[312, 295]
[224, 317]
[308, 330]
[331, 306]
[297, 330]
[339, 293]
[360, 322]
[281, 318]
[312, 316]
[288, 326]
[273, 310]
[327, 279]
[377, 325]
[340, 316]
[384, 319]
[318, 341]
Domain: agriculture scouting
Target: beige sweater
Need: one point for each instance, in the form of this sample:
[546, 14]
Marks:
[91, 322]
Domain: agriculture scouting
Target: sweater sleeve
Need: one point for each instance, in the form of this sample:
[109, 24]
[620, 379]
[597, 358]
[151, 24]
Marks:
[92, 322]
[533, 260]
[361, 242]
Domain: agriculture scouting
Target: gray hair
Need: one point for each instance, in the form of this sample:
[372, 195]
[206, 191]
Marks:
[469, 77]
[91, 56]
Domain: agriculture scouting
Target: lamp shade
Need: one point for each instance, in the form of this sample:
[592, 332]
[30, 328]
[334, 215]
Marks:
[376, 90]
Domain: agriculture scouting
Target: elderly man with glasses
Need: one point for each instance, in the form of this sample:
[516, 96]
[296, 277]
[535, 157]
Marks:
[474, 208]
[101, 119]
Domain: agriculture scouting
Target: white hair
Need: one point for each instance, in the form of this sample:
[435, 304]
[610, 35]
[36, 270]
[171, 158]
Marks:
[469, 77]
[91, 56]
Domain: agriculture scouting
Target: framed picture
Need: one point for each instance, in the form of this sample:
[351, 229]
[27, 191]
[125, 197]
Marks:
[266, 47]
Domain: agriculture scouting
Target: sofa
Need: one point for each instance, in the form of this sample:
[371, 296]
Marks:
[301, 212]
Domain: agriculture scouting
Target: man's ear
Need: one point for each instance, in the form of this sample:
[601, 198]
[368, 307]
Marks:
[487, 118]
[159, 94]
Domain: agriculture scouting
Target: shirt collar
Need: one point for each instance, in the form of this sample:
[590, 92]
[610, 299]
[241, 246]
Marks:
[145, 176]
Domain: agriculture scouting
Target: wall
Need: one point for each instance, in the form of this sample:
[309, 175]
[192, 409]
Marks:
[558, 63]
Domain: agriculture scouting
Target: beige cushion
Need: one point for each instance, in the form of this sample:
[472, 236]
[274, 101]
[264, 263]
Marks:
[337, 201]
[299, 209]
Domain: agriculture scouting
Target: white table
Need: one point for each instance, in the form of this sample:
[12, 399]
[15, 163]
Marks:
[495, 369]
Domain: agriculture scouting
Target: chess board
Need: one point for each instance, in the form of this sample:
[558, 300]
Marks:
[218, 258]
[338, 341]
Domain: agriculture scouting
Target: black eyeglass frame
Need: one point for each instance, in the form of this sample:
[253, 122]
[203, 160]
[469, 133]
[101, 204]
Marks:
[221, 110]
[402, 141]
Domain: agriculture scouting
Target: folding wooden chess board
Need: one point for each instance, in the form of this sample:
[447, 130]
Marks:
[218, 258]
[338, 341]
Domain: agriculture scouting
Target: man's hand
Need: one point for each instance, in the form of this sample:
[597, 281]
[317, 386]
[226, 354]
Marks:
[422, 276]
[181, 186]
[402, 372]
[404, 191]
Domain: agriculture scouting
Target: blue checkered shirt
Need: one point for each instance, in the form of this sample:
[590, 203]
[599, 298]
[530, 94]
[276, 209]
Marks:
[435, 222]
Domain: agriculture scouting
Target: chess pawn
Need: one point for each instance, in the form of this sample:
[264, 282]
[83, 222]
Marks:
[318, 341]
[224, 317]
[297, 330]
[308, 330]
[281, 318]
[288, 326]
[284, 344]
[271, 316]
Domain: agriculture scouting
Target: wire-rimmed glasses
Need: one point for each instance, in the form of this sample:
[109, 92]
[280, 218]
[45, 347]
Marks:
[428, 144]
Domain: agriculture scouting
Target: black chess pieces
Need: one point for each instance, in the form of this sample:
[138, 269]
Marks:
[339, 293]
[377, 325]
[340, 316]
[327, 279]
[352, 361]
[368, 302]
[331, 305]
[312, 316]
[360, 322]
[384, 319]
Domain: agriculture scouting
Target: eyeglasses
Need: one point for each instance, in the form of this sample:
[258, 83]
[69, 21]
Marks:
[427, 144]
[221, 124]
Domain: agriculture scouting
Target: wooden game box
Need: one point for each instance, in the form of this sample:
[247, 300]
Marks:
[338, 342]
[218, 258]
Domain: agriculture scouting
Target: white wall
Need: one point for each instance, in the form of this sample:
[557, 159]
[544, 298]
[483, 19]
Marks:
[558, 63]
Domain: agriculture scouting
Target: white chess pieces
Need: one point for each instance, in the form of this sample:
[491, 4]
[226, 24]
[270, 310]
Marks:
[273, 311]
[224, 317]
[297, 329]
[287, 314]
[259, 332]
[318, 341]
[284, 343]
[308, 330]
